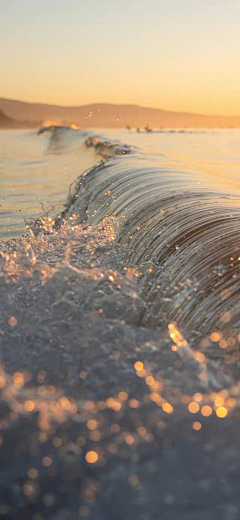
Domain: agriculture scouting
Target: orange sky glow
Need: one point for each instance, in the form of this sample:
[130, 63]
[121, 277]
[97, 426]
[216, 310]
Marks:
[176, 56]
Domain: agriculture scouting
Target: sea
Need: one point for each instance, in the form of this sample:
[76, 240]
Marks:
[119, 324]
[37, 170]
[175, 196]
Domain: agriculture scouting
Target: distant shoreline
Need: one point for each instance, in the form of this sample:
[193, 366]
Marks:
[104, 115]
[37, 126]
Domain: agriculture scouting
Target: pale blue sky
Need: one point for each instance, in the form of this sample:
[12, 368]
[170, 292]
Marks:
[180, 55]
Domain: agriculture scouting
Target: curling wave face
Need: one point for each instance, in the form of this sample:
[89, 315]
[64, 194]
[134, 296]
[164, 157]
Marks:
[181, 229]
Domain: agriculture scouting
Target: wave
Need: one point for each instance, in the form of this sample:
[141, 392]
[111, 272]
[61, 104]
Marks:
[63, 136]
[180, 229]
[99, 384]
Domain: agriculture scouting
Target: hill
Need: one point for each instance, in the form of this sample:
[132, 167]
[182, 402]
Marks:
[103, 115]
[9, 122]
[5, 121]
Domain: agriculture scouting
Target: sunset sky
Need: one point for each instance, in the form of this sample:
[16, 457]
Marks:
[171, 54]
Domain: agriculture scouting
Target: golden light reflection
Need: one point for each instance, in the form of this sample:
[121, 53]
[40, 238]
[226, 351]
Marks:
[198, 397]
[92, 424]
[176, 336]
[193, 407]
[12, 321]
[138, 365]
[197, 426]
[221, 412]
[57, 442]
[200, 357]
[18, 379]
[29, 406]
[206, 411]
[215, 337]
[123, 396]
[134, 403]
[142, 431]
[28, 489]
[47, 461]
[129, 439]
[223, 344]
[91, 457]
[167, 407]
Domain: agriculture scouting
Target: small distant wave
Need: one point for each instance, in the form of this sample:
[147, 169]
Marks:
[61, 139]
[61, 136]
[52, 128]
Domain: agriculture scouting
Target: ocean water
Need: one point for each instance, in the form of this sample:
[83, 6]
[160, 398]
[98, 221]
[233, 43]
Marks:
[36, 171]
[174, 195]
[35, 175]
[120, 325]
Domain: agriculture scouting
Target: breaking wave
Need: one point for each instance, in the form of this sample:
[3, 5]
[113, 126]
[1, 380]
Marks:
[180, 228]
[119, 320]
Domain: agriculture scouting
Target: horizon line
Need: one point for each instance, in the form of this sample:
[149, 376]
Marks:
[117, 104]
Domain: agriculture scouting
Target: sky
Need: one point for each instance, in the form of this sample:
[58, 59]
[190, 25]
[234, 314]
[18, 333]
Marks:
[179, 55]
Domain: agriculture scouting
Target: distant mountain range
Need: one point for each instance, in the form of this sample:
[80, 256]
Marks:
[103, 115]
